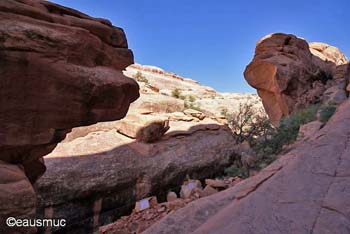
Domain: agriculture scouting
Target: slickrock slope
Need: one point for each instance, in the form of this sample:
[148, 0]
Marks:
[206, 98]
[59, 69]
[305, 191]
[289, 75]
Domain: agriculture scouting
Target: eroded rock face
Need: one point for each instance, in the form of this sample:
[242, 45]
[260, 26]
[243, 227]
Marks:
[305, 191]
[288, 77]
[147, 153]
[17, 197]
[117, 170]
[59, 69]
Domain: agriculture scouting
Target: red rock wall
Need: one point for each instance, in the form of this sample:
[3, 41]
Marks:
[59, 69]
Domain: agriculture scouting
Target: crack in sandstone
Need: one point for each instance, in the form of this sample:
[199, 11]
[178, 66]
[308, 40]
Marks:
[336, 211]
[347, 142]
[257, 185]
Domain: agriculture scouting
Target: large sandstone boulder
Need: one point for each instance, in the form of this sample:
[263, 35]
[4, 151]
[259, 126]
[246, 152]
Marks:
[111, 171]
[288, 77]
[305, 191]
[59, 69]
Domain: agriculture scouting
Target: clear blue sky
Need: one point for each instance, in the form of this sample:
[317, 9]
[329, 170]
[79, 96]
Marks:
[213, 40]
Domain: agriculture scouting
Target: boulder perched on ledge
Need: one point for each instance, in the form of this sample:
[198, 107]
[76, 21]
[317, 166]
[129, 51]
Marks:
[290, 75]
[59, 69]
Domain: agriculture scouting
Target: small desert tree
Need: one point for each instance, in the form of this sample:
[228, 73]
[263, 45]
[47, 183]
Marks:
[248, 123]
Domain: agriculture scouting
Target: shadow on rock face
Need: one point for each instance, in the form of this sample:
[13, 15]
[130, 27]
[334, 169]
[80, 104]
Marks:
[99, 186]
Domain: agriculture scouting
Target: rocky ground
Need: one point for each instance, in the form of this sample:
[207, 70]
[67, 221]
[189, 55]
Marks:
[142, 218]
[305, 191]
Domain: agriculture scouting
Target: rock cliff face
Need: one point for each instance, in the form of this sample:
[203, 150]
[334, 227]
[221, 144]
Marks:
[59, 69]
[289, 74]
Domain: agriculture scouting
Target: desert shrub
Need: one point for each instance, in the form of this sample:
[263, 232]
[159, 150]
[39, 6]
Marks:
[266, 141]
[232, 171]
[286, 133]
[182, 97]
[191, 98]
[176, 93]
[327, 112]
[192, 106]
[138, 76]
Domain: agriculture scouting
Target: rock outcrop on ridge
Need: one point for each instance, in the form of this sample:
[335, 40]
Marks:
[207, 99]
[59, 69]
[289, 74]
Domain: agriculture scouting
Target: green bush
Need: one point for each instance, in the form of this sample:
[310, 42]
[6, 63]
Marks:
[232, 171]
[286, 133]
[176, 93]
[327, 112]
[269, 143]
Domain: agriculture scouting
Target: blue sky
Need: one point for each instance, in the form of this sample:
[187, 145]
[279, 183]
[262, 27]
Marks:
[212, 41]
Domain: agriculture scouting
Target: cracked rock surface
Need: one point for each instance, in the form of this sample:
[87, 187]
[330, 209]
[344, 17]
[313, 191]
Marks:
[305, 191]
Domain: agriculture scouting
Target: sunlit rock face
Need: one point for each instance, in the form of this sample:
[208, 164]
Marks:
[290, 75]
[59, 69]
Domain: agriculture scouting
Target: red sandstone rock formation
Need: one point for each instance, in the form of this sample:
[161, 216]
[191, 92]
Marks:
[288, 77]
[59, 69]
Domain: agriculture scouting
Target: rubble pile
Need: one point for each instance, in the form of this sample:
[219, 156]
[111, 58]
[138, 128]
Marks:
[148, 211]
